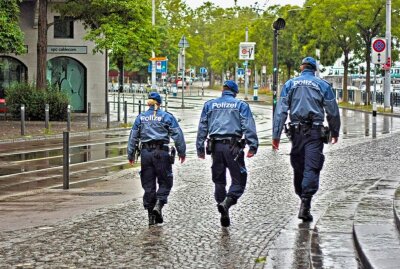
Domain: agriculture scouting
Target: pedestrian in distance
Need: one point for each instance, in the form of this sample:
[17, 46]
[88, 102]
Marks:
[226, 126]
[306, 99]
[149, 138]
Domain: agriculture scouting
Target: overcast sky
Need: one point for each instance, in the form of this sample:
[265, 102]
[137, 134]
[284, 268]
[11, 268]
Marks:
[230, 3]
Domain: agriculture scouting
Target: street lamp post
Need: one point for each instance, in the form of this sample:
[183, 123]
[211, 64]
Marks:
[153, 54]
[388, 55]
[183, 43]
[246, 77]
[279, 24]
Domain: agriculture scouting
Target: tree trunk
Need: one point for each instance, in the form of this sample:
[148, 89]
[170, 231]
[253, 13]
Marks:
[42, 45]
[345, 76]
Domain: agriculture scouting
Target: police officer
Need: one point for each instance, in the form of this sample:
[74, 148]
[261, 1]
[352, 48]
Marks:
[306, 99]
[153, 129]
[226, 120]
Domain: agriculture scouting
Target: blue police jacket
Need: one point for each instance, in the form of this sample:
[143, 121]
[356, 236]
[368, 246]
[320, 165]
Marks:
[226, 116]
[160, 127]
[307, 97]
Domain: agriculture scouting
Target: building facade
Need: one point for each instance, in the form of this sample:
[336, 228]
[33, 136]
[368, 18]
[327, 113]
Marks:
[71, 65]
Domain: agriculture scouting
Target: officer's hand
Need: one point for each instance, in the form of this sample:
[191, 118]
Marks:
[131, 162]
[275, 144]
[201, 156]
[182, 159]
[250, 154]
[334, 140]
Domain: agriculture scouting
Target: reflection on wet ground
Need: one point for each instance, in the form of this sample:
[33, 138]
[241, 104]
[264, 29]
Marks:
[42, 160]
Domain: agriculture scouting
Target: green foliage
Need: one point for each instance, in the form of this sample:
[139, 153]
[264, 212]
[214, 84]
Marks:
[123, 27]
[35, 101]
[11, 36]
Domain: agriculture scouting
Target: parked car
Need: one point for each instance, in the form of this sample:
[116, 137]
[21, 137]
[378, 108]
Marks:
[179, 82]
[3, 107]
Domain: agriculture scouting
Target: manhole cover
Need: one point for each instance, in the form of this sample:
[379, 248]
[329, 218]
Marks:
[107, 193]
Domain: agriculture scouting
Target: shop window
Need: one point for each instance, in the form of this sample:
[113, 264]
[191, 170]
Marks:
[63, 27]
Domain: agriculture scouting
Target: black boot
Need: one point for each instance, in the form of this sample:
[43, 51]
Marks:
[304, 212]
[223, 208]
[152, 217]
[157, 211]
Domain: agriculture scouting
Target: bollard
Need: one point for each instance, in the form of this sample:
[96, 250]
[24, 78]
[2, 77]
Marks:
[108, 115]
[69, 118]
[65, 160]
[89, 123]
[118, 109]
[46, 116]
[140, 106]
[166, 102]
[133, 103]
[125, 112]
[22, 120]
[114, 102]
[255, 92]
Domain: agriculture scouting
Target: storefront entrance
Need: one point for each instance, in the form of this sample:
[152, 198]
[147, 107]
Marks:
[69, 76]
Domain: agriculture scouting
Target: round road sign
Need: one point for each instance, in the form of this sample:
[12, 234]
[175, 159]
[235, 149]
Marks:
[379, 45]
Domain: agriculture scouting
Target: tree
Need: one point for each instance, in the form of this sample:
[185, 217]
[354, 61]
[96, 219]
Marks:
[371, 22]
[11, 36]
[42, 45]
[334, 29]
[124, 28]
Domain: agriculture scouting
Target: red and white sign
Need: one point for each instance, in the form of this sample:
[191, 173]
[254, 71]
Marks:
[246, 50]
[378, 50]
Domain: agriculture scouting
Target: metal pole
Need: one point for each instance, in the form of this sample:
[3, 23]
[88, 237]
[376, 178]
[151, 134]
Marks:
[202, 85]
[183, 77]
[153, 55]
[125, 112]
[108, 115]
[69, 118]
[166, 102]
[275, 70]
[89, 123]
[118, 109]
[22, 119]
[65, 160]
[374, 106]
[246, 77]
[133, 103]
[46, 116]
[114, 101]
[140, 106]
[388, 50]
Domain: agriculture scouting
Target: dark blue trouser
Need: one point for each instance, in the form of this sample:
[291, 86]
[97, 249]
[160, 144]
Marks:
[223, 158]
[307, 159]
[155, 168]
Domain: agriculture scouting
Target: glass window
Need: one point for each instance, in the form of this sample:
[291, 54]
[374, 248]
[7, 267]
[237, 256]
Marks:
[63, 27]
[11, 71]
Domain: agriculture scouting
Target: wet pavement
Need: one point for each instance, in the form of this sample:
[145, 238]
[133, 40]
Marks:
[105, 226]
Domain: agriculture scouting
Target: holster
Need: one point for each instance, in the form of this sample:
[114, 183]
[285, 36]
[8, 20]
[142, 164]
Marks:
[325, 134]
[209, 146]
[288, 131]
[137, 151]
[172, 154]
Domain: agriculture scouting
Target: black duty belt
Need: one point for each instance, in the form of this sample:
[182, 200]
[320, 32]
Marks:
[222, 141]
[155, 145]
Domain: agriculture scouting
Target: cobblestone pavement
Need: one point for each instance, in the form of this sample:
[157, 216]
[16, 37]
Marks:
[191, 236]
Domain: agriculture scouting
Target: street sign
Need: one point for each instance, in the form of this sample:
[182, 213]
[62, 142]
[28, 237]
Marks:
[240, 71]
[246, 50]
[183, 43]
[203, 70]
[378, 50]
[161, 67]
